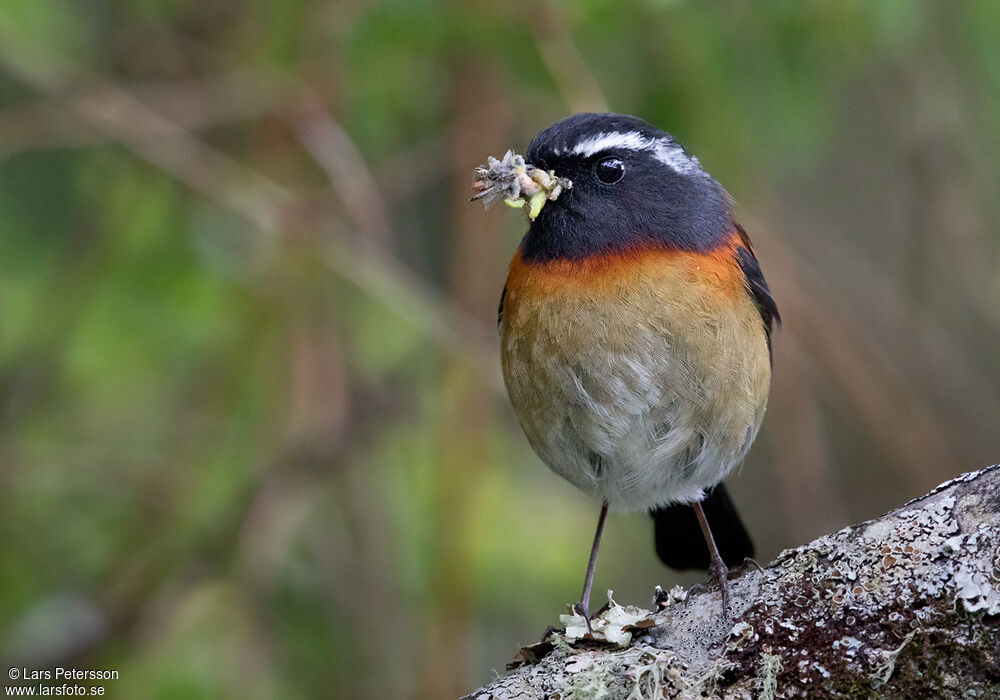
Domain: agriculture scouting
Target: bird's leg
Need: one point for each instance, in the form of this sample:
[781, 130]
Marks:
[583, 606]
[717, 568]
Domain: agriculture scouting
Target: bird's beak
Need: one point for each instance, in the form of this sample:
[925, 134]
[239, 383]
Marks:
[520, 184]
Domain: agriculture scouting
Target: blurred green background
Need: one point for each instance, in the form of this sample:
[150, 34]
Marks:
[253, 438]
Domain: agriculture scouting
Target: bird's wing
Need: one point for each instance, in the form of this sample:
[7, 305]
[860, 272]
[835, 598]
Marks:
[756, 284]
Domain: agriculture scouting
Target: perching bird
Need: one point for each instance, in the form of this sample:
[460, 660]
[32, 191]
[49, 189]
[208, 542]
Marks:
[635, 330]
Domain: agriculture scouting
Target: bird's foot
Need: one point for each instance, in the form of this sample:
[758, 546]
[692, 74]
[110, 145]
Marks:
[580, 610]
[718, 573]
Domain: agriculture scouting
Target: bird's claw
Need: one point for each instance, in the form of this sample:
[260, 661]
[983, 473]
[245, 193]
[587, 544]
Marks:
[582, 612]
[748, 562]
[718, 571]
[579, 610]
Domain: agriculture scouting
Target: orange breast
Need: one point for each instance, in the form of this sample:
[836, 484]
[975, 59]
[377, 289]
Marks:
[693, 280]
[715, 272]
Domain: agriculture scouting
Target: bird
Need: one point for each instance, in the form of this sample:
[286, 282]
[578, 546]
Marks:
[635, 331]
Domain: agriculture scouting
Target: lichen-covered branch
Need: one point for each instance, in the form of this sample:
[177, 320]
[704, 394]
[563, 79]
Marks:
[906, 605]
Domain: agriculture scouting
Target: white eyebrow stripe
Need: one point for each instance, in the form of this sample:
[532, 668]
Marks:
[630, 140]
[671, 154]
[668, 152]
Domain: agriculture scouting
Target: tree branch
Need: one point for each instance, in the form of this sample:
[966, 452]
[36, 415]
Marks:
[906, 605]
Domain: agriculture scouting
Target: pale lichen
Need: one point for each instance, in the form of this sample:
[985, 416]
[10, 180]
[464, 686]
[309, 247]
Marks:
[767, 677]
[615, 623]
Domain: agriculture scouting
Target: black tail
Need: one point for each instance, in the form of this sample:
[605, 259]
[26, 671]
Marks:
[680, 544]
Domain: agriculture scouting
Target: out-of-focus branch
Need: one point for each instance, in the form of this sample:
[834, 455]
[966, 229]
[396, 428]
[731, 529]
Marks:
[170, 147]
[805, 475]
[244, 191]
[873, 387]
[567, 66]
[331, 147]
[334, 151]
[412, 298]
[193, 105]
[395, 173]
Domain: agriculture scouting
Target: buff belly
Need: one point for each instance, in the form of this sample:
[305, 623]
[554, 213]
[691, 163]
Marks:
[641, 380]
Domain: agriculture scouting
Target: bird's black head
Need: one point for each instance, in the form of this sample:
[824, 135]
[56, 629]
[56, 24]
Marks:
[634, 186]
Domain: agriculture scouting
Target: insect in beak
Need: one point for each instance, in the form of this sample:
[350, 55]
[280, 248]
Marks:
[520, 184]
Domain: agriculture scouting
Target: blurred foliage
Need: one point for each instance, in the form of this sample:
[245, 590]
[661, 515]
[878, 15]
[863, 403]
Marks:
[253, 441]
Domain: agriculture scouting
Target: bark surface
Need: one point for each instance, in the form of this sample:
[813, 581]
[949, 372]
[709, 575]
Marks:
[906, 605]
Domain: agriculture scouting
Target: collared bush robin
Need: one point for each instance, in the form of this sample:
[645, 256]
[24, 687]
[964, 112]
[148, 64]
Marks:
[635, 330]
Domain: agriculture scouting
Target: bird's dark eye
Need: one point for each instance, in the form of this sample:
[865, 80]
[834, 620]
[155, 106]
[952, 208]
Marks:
[610, 170]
